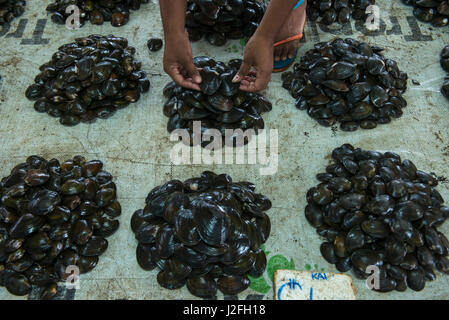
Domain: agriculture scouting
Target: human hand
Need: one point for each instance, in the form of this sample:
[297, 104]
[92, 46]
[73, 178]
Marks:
[178, 61]
[257, 66]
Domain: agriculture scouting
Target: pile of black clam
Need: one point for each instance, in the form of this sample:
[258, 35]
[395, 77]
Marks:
[375, 209]
[339, 11]
[445, 65]
[89, 78]
[97, 12]
[205, 233]
[220, 105]
[219, 20]
[10, 9]
[54, 215]
[347, 81]
[435, 12]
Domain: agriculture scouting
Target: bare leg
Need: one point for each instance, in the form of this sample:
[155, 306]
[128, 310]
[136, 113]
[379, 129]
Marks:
[293, 25]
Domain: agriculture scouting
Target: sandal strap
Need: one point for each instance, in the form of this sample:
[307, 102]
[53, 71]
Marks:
[293, 38]
[300, 2]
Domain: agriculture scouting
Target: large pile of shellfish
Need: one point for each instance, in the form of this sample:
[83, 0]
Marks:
[375, 209]
[54, 215]
[219, 20]
[97, 12]
[435, 12]
[89, 78]
[10, 9]
[444, 59]
[202, 229]
[347, 81]
[220, 104]
[339, 11]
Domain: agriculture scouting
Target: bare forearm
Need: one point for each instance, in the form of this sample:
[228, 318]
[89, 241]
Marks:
[275, 16]
[173, 14]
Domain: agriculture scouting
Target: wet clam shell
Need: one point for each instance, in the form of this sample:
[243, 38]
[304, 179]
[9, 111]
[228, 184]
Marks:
[203, 286]
[232, 285]
[146, 256]
[95, 246]
[168, 280]
[18, 285]
[25, 225]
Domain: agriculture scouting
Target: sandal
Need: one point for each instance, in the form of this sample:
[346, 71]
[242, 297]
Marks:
[283, 65]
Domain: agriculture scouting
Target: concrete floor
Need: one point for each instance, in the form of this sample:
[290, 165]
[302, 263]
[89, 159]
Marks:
[135, 146]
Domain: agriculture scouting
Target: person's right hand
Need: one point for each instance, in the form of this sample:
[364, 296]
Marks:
[178, 61]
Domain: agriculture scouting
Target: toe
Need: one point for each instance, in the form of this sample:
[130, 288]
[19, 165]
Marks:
[291, 50]
[284, 53]
[277, 53]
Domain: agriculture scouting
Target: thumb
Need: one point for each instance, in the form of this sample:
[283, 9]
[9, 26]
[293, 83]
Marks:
[193, 73]
[244, 70]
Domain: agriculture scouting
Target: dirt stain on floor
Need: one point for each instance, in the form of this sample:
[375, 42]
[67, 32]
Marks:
[437, 135]
[13, 62]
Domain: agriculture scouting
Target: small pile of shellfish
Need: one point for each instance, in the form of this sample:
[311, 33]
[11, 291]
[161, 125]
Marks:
[375, 209]
[445, 65]
[339, 11]
[347, 81]
[219, 20]
[219, 105]
[53, 216]
[96, 11]
[89, 78]
[205, 232]
[435, 12]
[10, 9]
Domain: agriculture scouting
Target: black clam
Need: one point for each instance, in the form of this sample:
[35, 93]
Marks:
[154, 44]
[88, 79]
[207, 234]
[211, 81]
[232, 285]
[347, 81]
[373, 209]
[18, 285]
[51, 218]
[203, 286]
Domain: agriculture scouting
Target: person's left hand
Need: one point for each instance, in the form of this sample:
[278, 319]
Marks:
[257, 66]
